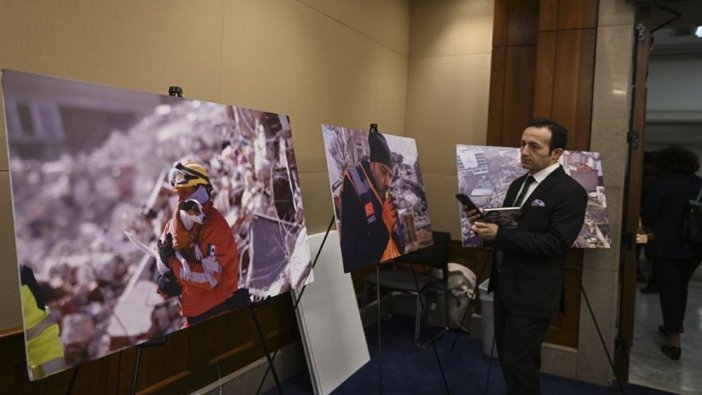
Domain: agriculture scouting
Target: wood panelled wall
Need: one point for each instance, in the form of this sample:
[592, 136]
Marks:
[543, 62]
[191, 359]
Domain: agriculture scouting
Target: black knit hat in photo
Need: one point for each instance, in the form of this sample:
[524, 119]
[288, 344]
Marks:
[379, 150]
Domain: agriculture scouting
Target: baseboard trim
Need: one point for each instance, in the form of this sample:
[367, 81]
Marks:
[289, 362]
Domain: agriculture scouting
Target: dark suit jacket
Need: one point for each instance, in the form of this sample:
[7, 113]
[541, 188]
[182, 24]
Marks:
[530, 279]
[662, 211]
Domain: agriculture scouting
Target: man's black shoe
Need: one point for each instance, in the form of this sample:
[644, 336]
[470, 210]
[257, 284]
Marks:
[672, 352]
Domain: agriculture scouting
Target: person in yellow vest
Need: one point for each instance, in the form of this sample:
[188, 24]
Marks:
[41, 332]
[370, 231]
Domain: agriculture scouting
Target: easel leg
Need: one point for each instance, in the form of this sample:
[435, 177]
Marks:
[380, 348]
[487, 376]
[151, 343]
[135, 372]
[599, 333]
[426, 322]
[73, 380]
[471, 301]
[265, 349]
[295, 305]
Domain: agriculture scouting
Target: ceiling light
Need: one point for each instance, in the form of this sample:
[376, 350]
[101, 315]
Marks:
[698, 32]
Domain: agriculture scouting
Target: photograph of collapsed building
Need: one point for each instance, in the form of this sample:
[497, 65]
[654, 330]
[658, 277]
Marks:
[96, 174]
[485, 173]
[388, 215]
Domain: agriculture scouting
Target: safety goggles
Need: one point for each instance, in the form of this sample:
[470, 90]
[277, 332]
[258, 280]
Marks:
[180, 175]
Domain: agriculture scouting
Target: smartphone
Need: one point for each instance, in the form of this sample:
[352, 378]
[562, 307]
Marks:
[465, 200]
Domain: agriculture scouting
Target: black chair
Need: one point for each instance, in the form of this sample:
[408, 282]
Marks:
[434, 256]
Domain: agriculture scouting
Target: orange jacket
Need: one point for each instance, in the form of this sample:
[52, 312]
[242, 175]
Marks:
[211, 276]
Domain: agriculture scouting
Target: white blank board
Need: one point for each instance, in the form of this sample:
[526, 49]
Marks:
[328, 316]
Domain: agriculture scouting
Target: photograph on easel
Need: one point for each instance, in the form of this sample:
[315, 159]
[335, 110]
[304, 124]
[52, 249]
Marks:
[485, 173]
[378, 194]
[137, 214]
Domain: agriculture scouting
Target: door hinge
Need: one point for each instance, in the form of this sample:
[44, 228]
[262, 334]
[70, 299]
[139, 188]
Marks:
[641, 31]
[632, 137]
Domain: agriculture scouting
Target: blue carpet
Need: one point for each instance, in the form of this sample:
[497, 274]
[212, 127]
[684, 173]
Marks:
[410, 370]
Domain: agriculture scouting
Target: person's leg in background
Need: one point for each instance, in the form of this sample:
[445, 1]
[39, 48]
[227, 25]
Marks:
[670, 278]
[651, 286]
[688, 269]
[640, 276]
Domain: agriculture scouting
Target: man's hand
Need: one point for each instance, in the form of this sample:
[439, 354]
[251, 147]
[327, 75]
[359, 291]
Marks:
[389, 215]
[168, 284]
[474, 215]
[485, 230]
[165, 249]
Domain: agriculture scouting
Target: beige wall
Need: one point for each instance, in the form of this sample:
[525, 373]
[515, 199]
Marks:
[447, 94]
[319, 61]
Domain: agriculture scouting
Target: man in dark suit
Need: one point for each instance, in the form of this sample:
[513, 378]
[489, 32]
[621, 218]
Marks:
[529, 262]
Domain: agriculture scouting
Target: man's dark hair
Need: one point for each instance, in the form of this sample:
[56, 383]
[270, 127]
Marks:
[676, 159]
[559, 134]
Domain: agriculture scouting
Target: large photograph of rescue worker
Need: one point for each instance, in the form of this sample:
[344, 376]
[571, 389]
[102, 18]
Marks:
[485, 173]
[378, 193]
[139, 214]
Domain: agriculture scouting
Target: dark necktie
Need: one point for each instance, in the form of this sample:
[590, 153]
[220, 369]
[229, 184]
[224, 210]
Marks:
[525, 188]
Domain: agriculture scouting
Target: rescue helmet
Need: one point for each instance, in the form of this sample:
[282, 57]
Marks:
[188, 174]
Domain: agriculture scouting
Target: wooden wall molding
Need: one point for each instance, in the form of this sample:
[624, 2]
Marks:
[186, 363]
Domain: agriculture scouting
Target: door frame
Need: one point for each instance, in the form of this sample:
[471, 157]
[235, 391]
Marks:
[632, 193]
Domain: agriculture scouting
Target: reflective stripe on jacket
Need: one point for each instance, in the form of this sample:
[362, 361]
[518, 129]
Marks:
[209, 272]
[44, 348]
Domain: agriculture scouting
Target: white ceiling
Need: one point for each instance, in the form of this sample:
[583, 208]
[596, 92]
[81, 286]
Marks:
[673, 24]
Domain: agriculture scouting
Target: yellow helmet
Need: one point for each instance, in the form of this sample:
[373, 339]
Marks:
[187, 174]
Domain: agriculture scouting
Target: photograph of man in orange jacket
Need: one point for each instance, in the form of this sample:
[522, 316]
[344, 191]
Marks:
[370, 231]
[201, 257]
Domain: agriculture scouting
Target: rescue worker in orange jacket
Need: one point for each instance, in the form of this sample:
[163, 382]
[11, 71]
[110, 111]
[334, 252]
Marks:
[203, 260]
[370, 232]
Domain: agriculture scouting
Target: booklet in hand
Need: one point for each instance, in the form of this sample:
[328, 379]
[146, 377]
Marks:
[502, 216]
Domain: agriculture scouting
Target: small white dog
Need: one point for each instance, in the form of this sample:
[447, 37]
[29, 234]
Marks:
[190, 213]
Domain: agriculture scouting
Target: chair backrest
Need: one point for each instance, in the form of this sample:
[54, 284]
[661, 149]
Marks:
[435, 255]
